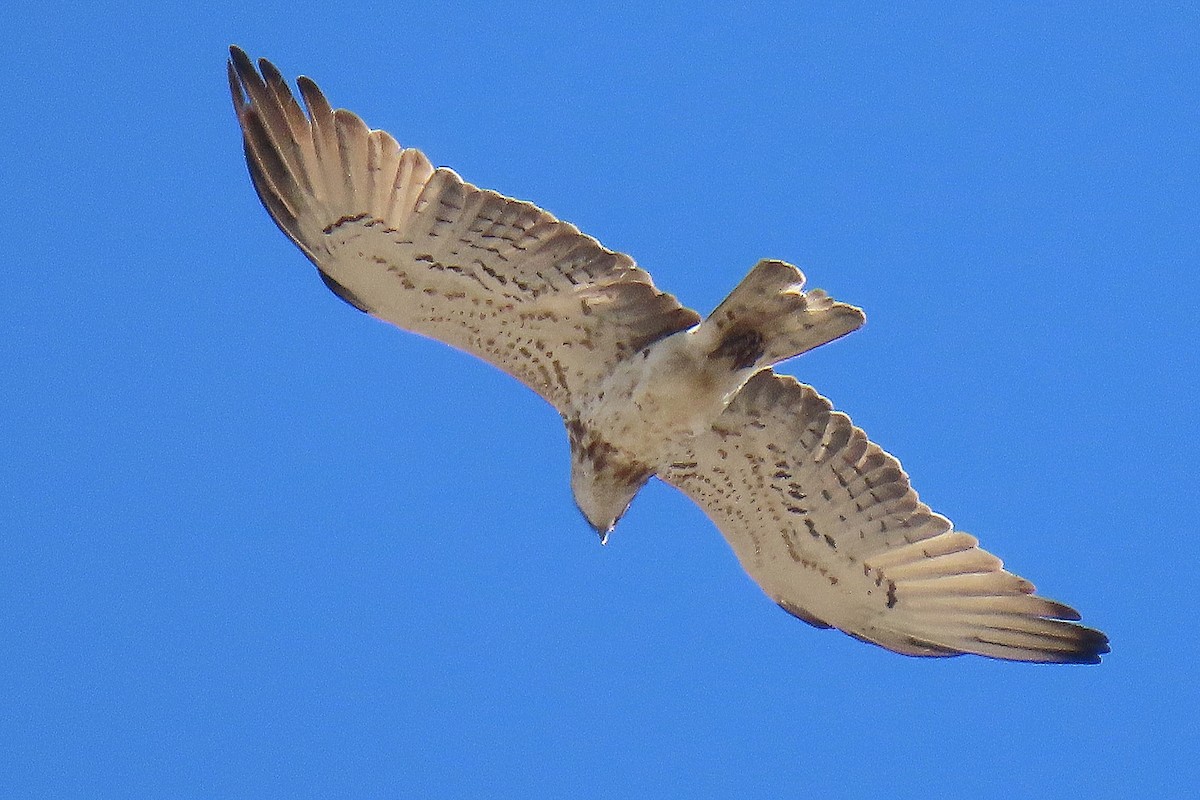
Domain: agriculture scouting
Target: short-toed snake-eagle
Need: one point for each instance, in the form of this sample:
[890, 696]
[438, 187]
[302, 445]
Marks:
[823, 519]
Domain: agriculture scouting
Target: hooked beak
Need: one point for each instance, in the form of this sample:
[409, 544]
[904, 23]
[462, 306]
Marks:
[602, 530]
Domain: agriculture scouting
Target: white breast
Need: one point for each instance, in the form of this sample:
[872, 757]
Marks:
[661, 398]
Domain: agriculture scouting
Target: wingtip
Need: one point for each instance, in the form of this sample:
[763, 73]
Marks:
[318, 106]
[246, 70]
[1099, 645]
[239, 67]
[235, 88]
[239, 60]
[270, 72]
[1093, 645]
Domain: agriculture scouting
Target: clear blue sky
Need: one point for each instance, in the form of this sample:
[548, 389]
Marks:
[253, 543]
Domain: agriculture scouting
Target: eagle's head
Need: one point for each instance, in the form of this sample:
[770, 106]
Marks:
[604, 487]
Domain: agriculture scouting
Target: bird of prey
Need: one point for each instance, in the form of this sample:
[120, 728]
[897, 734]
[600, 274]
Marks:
[820, 517]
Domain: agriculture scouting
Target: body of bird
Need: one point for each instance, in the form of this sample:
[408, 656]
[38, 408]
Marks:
[820, 517]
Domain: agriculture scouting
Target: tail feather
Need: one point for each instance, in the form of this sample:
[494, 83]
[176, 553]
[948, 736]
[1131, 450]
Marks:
[767, 318]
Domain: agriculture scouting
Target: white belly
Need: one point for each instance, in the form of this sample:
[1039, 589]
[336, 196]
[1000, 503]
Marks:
[654, 403]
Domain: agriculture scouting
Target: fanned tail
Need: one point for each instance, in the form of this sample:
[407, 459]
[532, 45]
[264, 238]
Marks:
[767, 318]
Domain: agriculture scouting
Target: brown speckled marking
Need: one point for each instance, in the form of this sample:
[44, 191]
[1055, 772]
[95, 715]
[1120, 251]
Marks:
[328, 229]
[560, 374]
[575, 430]
[597, 451]
[631, 472]
[744, 346]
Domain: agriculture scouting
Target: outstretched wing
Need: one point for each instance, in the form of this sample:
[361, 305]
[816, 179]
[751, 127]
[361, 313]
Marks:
[828, 525]
[416, 246]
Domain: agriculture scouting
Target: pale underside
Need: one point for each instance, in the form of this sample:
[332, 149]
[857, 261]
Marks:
[821, 518]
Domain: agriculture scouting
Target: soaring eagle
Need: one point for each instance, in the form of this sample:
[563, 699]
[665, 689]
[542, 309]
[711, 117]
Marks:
[823, 519]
